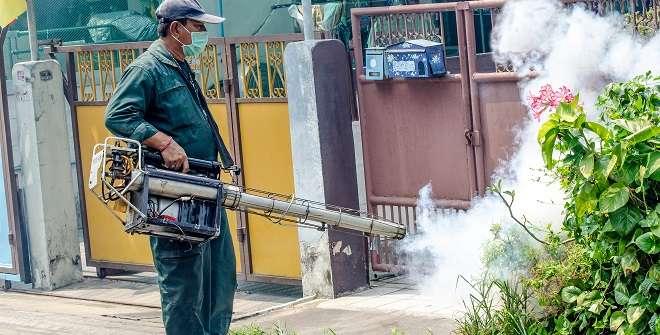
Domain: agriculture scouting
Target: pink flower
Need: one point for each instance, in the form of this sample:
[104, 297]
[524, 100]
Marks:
[547, 98]
[566, 94]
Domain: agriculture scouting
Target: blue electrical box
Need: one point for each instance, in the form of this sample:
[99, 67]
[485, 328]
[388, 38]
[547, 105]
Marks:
[373, 69]
[415, 59]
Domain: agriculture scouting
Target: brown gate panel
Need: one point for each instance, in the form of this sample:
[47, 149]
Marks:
[452, 132]
[502, 117]
[413, 132]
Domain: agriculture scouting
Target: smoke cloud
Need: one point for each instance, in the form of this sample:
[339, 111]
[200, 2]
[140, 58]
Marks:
[564, 46]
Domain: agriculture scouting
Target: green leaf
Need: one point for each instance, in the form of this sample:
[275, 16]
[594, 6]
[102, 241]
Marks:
[654, 274]
[651, 221]
[545, 129]
[567, 113]
[597, 128]
[642, 135]
[548, 147]
[570, 294]
[621, 152]
[632, 126]
[629, 262]
[649, 243]
[636, 299]
[596, 306]
[615, 197]
[621, 293]
[611, 164]
[625, 220]
[586, 201]
[653, 164]
[587, 298]
[616, 320]
[633, 314]
[587, 165]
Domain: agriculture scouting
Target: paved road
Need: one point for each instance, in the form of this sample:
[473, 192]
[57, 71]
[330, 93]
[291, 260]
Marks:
[27, 314]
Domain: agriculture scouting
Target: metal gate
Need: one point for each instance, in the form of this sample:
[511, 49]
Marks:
[12, 259]
[448, 131]
[243, 81]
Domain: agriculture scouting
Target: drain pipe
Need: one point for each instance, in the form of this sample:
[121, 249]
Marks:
[308, 27]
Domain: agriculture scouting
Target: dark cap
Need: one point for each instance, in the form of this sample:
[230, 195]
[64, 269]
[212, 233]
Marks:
[170, 10]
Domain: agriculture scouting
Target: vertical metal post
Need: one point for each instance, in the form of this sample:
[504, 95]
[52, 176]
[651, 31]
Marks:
[471, 44]
[32, 29]
[308, 26]
[20, 264]
[221, 26]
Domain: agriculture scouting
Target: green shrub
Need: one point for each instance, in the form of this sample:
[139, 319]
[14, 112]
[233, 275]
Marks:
[606, 277]
[611, 170]
[566, 266]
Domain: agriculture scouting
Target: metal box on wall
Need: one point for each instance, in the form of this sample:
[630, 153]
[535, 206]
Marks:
[374, 66]
[415, 59]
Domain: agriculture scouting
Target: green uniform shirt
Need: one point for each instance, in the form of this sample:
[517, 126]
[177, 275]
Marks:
[153, 96]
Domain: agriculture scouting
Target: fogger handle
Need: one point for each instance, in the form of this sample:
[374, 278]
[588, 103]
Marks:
[199, 165]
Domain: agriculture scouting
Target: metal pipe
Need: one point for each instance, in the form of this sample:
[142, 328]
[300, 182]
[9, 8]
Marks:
[302, 210]
[404, 201]
[480, 164]
[32, 29]
[409, 9]
[221, 26]
[308, 26]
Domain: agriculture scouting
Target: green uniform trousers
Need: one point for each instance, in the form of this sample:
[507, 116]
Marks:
[197, 283]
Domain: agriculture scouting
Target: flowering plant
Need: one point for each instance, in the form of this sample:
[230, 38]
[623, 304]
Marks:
[547, 98]
[610, 170]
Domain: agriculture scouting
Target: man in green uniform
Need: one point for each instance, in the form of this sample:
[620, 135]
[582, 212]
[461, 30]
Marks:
[159, 103]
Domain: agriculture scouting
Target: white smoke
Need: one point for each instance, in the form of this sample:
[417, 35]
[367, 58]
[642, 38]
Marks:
[564, 46]
[570, 46]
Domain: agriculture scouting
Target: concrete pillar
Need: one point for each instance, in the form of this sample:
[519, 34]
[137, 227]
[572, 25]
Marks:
[321, 102]
[46, 177]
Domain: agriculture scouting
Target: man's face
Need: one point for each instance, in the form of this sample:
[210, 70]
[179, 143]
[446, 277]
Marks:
[184, 35]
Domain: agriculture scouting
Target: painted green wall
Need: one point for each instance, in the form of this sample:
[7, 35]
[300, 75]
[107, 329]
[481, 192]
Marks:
[245, 16]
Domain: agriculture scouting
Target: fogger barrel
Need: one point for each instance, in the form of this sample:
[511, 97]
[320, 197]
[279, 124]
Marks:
[160, 202]
[234, 198]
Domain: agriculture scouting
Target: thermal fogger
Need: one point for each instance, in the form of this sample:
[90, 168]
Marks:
[149, 199]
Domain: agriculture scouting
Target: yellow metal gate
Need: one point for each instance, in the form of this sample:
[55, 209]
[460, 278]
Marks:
[243, 80]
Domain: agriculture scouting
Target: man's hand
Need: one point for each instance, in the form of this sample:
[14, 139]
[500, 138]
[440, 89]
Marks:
[174, 156]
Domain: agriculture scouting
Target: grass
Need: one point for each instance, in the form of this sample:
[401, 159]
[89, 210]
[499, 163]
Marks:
[279, 329]
[497, 307]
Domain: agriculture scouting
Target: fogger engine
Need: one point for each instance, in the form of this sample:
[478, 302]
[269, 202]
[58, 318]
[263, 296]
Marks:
[149, 199]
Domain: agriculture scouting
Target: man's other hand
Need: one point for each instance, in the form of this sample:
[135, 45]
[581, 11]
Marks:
[175, 157]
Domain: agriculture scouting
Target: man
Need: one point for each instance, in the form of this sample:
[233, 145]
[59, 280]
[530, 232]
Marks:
[159, 103]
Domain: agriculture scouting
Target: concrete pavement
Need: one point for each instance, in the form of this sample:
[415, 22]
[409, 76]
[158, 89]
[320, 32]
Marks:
[390, 304]
[110, 306]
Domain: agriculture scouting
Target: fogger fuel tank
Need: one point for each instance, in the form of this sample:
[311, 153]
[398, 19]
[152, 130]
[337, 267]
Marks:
[187, 206]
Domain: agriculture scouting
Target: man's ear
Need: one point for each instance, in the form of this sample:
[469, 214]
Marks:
[175, 29]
